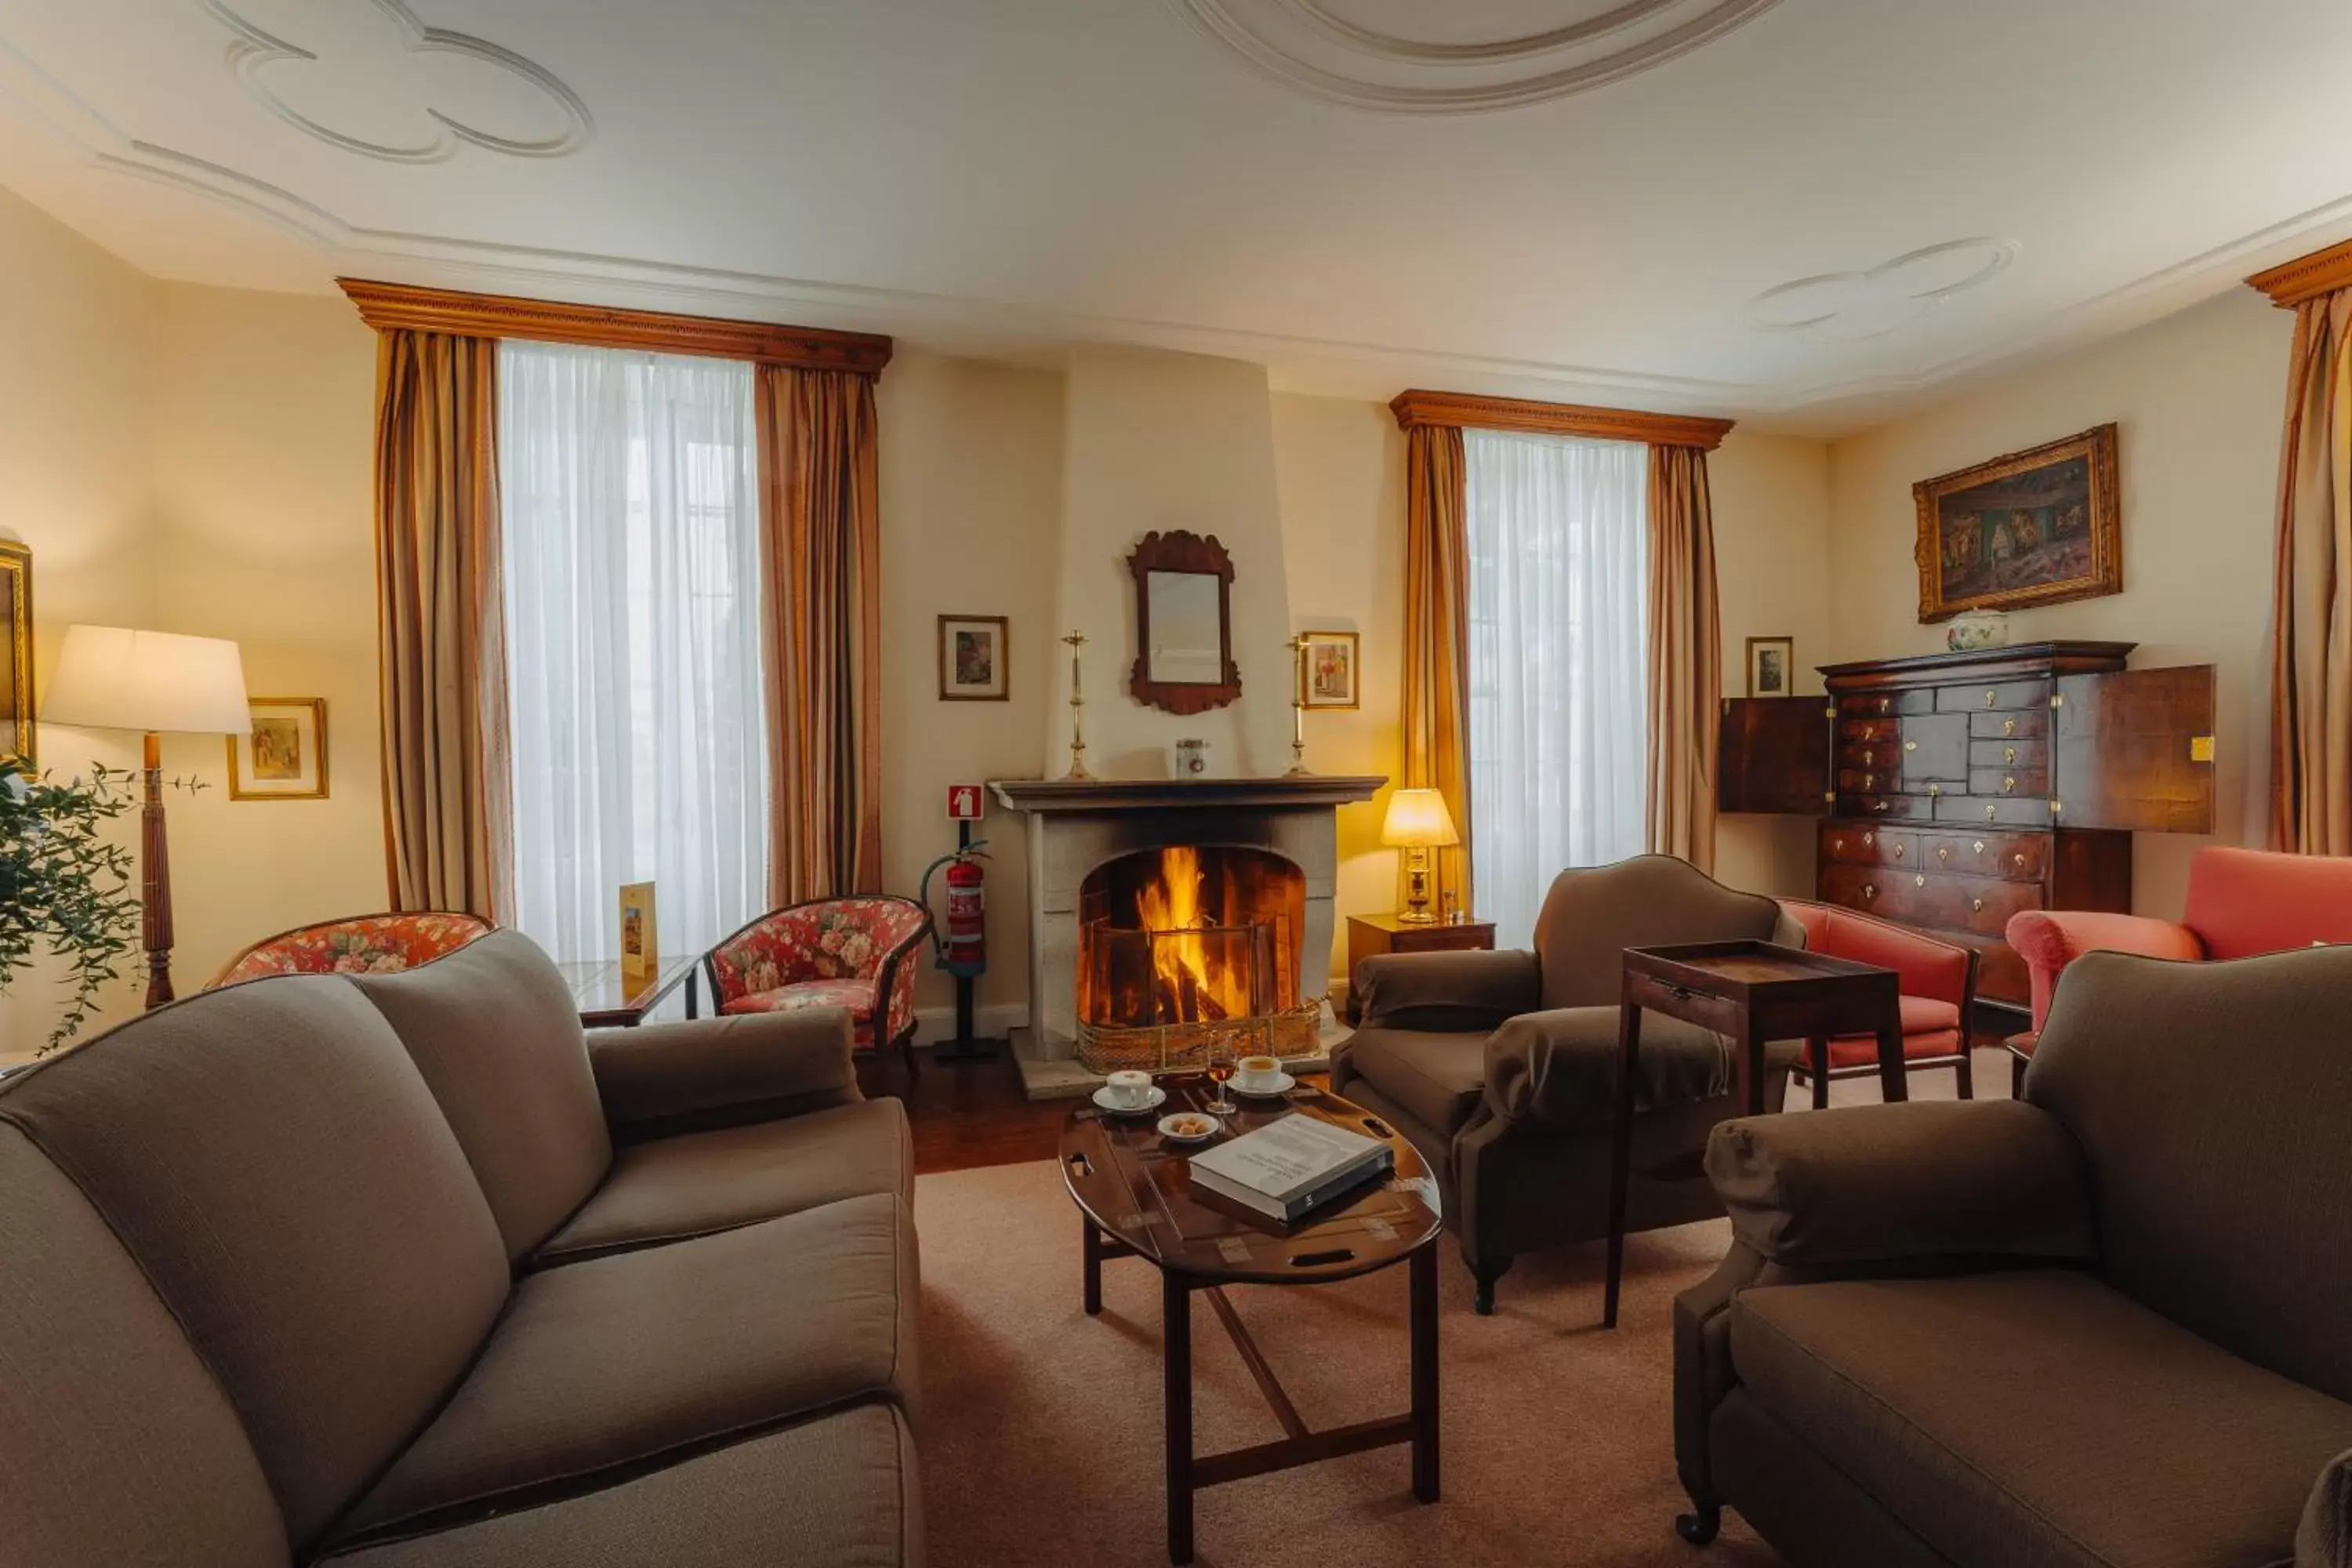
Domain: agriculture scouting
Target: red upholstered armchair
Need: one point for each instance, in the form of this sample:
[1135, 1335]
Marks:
[362, 945]
[856, 953]
[1940, 986]
[2241, 902]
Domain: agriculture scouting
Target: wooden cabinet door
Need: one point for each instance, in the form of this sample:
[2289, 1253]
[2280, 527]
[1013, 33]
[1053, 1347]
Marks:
[1773, 755]
[2133, 748]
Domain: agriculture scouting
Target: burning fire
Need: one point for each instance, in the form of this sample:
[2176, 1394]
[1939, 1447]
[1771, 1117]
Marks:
[1189, 982]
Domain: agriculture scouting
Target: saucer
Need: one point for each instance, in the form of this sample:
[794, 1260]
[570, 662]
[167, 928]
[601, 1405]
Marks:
[1168, 1128]
[1282, 1084]
[1153, 1100]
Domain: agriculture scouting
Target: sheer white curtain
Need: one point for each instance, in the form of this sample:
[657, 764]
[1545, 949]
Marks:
[631, 502]
[1559, 538]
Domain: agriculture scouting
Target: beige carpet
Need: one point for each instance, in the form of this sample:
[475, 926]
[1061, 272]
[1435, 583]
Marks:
[1042, 1426]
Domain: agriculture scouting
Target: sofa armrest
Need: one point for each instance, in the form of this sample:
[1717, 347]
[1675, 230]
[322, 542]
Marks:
[2050, 940]
[1898, 1184]
[1446, 992]
[2325, 1540]
[661, 1078]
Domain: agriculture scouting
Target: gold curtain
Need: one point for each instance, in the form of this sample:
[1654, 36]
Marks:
[1437, 635]
[821, 594]
[448, 794]
[2311, 653]
[1686, 657]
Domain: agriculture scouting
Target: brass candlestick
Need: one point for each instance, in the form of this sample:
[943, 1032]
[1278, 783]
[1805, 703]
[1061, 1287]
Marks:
[1077, 640]
[1298, 646]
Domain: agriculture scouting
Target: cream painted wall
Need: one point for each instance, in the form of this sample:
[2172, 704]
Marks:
[970, 508]
[264, 533]
[2200, 399]
[1339, 469]
[77, 329]
[1772, 568]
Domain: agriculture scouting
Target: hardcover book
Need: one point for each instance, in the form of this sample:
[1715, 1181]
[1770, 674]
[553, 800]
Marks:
[1291, 1167]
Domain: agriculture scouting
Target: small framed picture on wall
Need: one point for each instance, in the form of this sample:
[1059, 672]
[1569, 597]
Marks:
[284, 755]
[1772, 666]
[1329, 670]
[972, 658]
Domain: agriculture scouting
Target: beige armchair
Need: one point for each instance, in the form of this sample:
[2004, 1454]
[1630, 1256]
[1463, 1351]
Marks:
[1501, 1068]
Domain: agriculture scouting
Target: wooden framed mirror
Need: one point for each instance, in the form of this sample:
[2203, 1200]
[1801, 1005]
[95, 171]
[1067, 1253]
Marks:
[1184, 624]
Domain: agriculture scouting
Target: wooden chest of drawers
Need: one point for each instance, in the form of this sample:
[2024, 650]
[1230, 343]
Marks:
[1960, 789]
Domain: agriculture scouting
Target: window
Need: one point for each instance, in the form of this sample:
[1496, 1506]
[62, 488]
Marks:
[630, 500]
[1559, 543]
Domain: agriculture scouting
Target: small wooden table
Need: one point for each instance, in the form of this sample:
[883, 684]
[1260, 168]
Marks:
[1368, 936]
[1136, 1199]
[608, 999]
[1754, 992]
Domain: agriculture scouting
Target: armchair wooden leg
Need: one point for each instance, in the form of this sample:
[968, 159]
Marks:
[1965, 1069]
[1701, 1526]
[1818, 1060]
[1486, 1273]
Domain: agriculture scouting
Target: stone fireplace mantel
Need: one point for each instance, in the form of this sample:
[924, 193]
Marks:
[1078, 824]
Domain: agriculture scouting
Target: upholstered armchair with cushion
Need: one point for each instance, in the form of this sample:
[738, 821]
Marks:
[1501, 1068]
[857, 954]
[363, 944]
[2241, 902]
[1939, 985]
[2102, 1325]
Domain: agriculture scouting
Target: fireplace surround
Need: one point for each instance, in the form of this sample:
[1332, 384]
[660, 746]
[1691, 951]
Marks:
[1284, 829]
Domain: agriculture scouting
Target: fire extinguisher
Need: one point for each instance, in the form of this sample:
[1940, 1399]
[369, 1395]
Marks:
[962, 951]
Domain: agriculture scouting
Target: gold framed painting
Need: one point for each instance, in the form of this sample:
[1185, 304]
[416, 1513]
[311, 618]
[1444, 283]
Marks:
[16, 654]
[1772, 666]
[2038, 527]
[974, 650]
[1330, 670]
[283, 755]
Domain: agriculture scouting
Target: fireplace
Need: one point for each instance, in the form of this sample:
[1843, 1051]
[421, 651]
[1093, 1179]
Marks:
[1106, 925]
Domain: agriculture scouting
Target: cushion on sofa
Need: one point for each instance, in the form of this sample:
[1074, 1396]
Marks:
[615, 1361]
[2039, 1419]
[271, 1158]
[493, 1029]
[840, 1492]
[697, 1183]
[1434, 1077]
[2221, 1189]
[116, 1444]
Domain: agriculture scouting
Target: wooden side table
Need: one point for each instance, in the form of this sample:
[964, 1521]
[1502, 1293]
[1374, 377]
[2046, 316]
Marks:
[1753, 991]
[1368, 936]
[607, 999]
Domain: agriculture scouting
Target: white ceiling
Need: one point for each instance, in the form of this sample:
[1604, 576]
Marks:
[1805, 212]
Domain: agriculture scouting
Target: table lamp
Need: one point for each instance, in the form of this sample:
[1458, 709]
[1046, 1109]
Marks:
[112, 678]
[1417, 823]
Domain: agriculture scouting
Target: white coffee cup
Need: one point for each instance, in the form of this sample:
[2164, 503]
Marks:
[1256, 1073]
[1130, 1086]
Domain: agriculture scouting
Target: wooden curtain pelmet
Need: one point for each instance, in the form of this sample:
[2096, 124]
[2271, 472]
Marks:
[1525, 417]
[2307, 276]
[395, 307]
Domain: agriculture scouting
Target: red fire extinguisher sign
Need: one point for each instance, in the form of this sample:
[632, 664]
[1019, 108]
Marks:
[963, 803]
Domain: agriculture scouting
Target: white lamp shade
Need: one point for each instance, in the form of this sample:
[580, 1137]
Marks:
[112, 678]
[1418, 819]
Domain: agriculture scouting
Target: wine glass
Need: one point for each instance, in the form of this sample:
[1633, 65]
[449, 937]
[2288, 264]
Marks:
[1223, 1057]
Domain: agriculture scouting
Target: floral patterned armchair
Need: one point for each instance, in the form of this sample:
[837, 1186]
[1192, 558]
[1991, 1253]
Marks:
[363, 944]
[829, 952]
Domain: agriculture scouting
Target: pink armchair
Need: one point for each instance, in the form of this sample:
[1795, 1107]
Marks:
[856, 953]
[2241, 902]
[1939, 986]
[362, 945]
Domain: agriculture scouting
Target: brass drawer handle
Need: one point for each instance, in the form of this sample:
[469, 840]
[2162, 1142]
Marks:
[1870, 781]
[1885, 704]
[1990, 814]
[1897, 852]
[2020, 862]
[2009, 755]
[1918, 881]
[1868, 839]
[1880, 806]
[1976, 904]
[1869, 890]
[1910, 745]
[2007, 785]
[2009, 727]
[1943, 854]
[1991, 697]
[1935, 789]
[1837, 845]
[1977, 847]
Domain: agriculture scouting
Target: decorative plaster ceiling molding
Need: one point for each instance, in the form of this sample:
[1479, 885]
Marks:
[1318, 48]
[1850, 306]
[265, 64]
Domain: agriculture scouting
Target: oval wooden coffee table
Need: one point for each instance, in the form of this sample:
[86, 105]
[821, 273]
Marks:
[1136, 1199]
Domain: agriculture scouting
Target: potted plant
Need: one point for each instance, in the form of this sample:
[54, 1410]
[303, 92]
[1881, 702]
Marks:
[64, 883]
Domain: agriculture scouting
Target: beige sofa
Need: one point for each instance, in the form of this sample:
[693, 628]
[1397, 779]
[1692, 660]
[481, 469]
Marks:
[400, 1271]
[2102, 1327]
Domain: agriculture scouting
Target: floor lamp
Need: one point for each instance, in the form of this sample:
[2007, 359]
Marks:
[110, 677]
